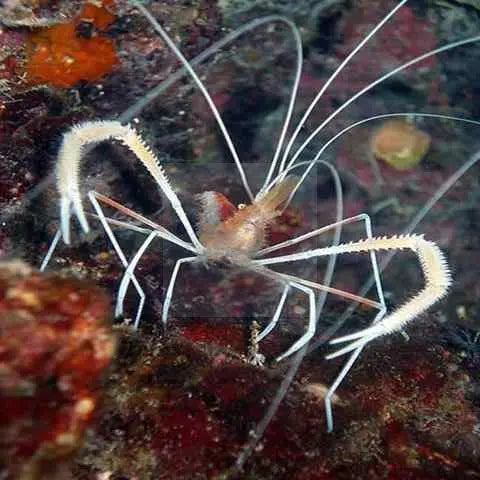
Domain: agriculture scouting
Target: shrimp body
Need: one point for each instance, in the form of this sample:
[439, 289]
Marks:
[236, 234]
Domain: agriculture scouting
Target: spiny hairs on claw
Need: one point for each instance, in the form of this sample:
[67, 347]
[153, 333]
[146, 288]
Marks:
[68, 167]
[437, 282]
[70, 155]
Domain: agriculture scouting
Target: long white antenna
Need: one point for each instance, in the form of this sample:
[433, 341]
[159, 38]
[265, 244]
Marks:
[332, 78]
[202, 88]
[313, 162]
[293, 96]
[150, 96]
[418, 59]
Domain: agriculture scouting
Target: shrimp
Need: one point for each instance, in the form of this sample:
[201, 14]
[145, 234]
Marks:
[242, 234]
[237, 235]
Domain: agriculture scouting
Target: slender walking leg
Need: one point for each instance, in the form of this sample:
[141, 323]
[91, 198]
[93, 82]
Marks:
[276, 315]
[312, 321]
[171, 284]
[51, 249]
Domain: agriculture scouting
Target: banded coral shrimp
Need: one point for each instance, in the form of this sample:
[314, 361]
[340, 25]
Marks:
[69, 159]
[129, 276]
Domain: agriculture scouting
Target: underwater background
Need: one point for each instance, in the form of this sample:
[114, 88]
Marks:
[85, 396]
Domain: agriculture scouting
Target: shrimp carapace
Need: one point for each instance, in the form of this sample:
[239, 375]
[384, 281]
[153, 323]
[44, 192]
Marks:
[230, 234]
[214, 208]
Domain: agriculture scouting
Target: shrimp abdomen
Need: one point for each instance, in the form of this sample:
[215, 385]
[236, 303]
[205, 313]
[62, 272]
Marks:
[275, 198]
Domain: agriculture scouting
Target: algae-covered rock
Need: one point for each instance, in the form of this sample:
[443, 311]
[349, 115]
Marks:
[54, 346]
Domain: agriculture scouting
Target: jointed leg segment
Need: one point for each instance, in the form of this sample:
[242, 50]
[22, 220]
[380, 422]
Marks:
[432, 261]
[171, 284]
[368, 230]
[93, 200]
[312, 320]
[276, 315]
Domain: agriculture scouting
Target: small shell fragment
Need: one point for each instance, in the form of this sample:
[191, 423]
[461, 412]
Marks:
[319, 391]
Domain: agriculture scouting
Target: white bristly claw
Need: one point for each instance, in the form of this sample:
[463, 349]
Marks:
[437, 282]
[68, 167]
[65, 218]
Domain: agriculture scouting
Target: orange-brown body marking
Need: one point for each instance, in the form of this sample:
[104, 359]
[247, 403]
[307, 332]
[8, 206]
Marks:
[235, 234]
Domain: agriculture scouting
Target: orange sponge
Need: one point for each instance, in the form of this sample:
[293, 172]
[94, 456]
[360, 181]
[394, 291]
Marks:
[59, 56]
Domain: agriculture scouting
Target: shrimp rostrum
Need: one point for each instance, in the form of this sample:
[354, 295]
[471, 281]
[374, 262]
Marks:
[238, 237]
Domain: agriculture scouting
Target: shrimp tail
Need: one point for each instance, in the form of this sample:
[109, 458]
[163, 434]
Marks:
[273, 200]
